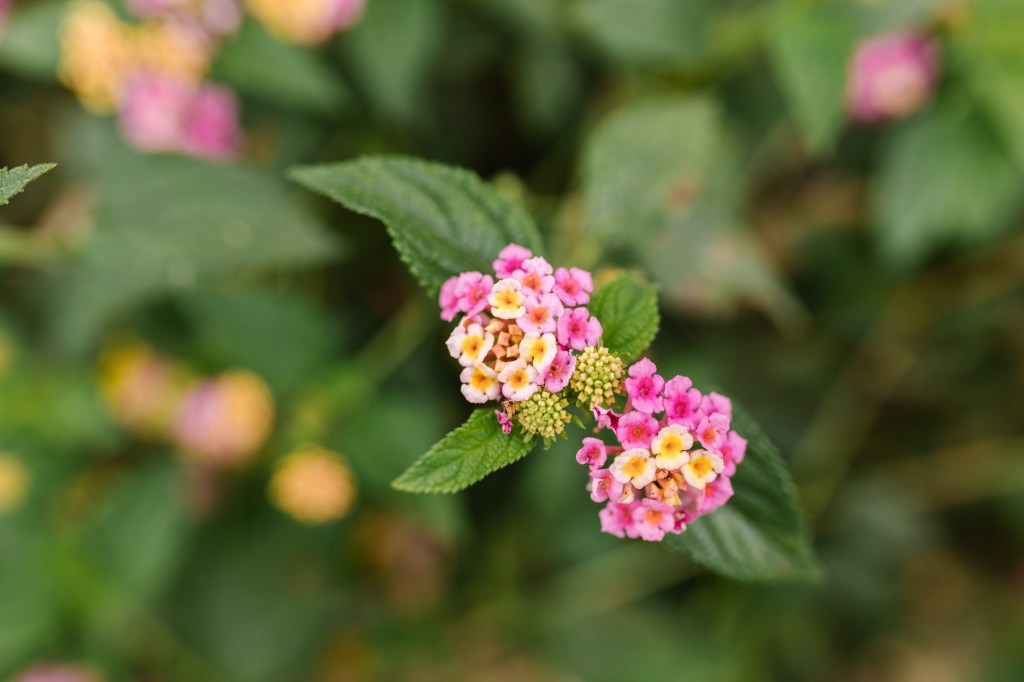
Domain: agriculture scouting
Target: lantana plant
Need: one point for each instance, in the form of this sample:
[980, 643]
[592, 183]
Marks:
[541, 345]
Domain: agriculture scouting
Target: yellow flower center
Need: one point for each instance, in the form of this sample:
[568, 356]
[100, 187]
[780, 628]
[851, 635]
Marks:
[508, 299]
[471, 345]
[539, 348]
[701, 466]
[671, 445]
[518, 379]
[634, 466]
[481, 381]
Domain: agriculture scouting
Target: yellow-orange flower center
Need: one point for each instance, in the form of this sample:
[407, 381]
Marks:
[634, 466]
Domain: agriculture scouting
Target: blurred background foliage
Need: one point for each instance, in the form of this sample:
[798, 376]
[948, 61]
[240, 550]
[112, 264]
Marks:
[171, 328]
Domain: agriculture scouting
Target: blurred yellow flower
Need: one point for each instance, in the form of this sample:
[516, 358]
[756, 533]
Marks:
[14, 483]
[224, 421]
[313, 486]
[141, 388]
[99, 53]
[307, 22]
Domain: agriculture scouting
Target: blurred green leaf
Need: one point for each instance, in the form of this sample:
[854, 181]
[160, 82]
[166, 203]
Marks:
[391, 50]
[140, 536]
[644, 163]
[167, 223]
[549, 85]
[646, 32]
[464, 456]
[811, 51]
[30, 608]
[250, 328]
[259, 64]
[13, 180]
[628, 311]
[760, 534]
[443, 220]
[30, 45]
[945, 179]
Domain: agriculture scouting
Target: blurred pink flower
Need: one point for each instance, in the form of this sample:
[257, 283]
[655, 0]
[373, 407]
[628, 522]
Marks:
[167, 113]
[345, 13]
[891, 76]
[55, 673]
[5, 9]
[215, 17]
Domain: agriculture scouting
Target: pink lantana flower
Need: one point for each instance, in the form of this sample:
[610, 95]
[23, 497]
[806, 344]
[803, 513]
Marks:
[703, 468]
[636, 430]
[603, 486]
[504, 421]
[538, 349]
[891, 76]
[644, 387]
[469, 343]
[711, 431]
[152, 111]
[573, 286]
[536, 276]
[510, 260]
[606, 417]
[506, 299]
[210, 129]
[541, 313]
[733, 450]
[652, 519]
[716, 493]
[557, 375]
[577, 329]
[715, 403]
[472, 289]
[617, 520]
[682, 403]
[448, 299]
[593, 453]
[346, 13]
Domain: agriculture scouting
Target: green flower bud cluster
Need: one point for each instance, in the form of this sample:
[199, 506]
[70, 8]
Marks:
[544, 414]
[598, 377]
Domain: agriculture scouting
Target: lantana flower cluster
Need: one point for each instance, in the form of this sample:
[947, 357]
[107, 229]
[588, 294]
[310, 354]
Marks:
[525, 336]
[674, 459]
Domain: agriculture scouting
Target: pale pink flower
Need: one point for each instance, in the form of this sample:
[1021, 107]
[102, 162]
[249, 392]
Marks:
[518, 379]
[603, 486]
[538, 349]
[557, 375]
[479, 384]
[469, 343]
[346, 13]
[541, 313]
[152, 111]
[891, 76]
[593, 453]
[573, 286]
[210, 129]
[716, 493]
[670, 445]
[703, 468]
[652, 519]
[636, 430]
[217, 17]
[682, 403]
[644, 387]
[535, 276]
[711, 431]
[634, 467]
[577, 329]
[506, 299]
[56, 673]
[617, 520]
[5, 9]
[733, 450]
[510, 260]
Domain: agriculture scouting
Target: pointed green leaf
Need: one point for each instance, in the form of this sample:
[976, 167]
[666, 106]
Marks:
[443, 220]
[463, 457]
[628, 311]
[13, 180]
[760, 534]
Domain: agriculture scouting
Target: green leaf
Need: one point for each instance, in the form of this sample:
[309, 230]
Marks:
[945, 179]
[258, 64]
[463, 457]
[811, 51]
[443, 220]
[168, 223]
[13, 180]
[646, 32]
[645, 162]
[761, 533]
[30, 45]
[628, 311]
[391, 51]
